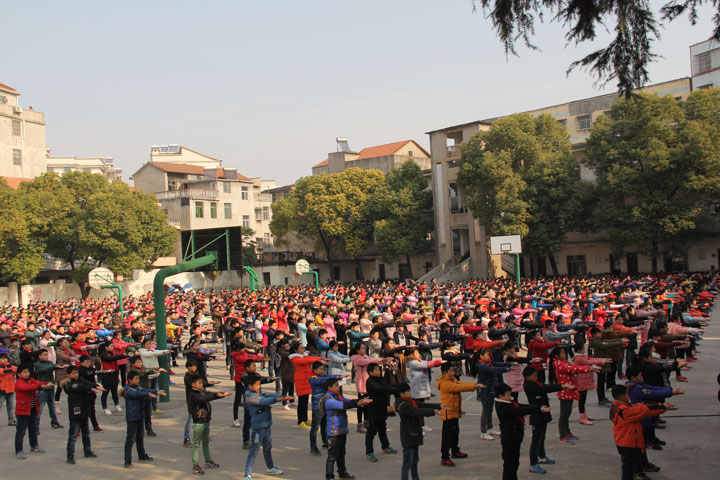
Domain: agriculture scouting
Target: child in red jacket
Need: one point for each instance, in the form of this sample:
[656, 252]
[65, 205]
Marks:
[628, 432]
[7, 387]
[26, 411]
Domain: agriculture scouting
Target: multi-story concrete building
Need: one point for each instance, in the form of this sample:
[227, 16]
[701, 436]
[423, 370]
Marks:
[198, 198]
[705, 64]
[104, 166]
[22, 138]
[461, 247]
[381, 157]
[183, 155]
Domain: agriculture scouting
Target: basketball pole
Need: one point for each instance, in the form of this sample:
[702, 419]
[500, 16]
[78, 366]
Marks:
[517, 268]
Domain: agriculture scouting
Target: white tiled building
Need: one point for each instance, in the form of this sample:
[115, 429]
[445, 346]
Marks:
[705, 64]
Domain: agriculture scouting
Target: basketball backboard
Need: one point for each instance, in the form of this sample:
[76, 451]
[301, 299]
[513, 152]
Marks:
[505, 244]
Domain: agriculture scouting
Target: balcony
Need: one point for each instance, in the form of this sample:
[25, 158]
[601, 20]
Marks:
[454, 150]
[188, 193]
[264, 197]
[174, 223]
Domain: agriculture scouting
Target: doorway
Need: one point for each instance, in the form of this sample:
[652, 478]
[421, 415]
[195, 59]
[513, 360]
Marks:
[632, 263]
[381, 272]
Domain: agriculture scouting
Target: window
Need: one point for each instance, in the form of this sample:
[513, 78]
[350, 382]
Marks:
[227, 187]
[213, 186]
[17, 157]
[244, 193]
[172, 185]
[259, 243]
[266, 213]
[246, 221]
[584, 122]
[213, 209]
[705, 87]
[228, 210]
[563, 122]
[258, 215]
[198, 209]
[16, 127]
[704, 64]
[576, 265]
[88, 170]
[410, 154]
[267, 240]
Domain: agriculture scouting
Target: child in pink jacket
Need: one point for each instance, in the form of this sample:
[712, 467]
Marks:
[586, 380]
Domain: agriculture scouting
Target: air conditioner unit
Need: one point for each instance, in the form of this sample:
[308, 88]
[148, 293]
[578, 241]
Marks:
[17, 110]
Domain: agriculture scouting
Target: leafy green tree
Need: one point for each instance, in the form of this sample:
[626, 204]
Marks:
[86, 221]
[634, 23]
[403, 230]
[331, 210]
[20, 253]
[520, 178]
[658, 167]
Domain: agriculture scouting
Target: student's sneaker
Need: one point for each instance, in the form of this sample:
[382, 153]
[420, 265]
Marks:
[315, 452]
[652, 468]
[71, 460]
[212, 464]
[146, 458]
[446, 462]
[187, 443]
[12, 422]
[361, 428]
[90, 454]
[574, 437]
[107, 412]
[426, 429]
[547, 461]
[304, 425]
[641, 476]
[659, 442]
[459, 455]
[325, 446]
[246, 445]
[486, 436]
[537, 469]
[97, 429]
[20, 456]
[605, 403]
[274, 471]
[494, 432]
[37, 450]
[389, 450]
[55, 425]
[57, 410]
[128, 465]
[346, 476]
[118, 408]
[156, 412]
[654, 446]
[198, 471]
[567, 441]
[248, 477]
[150, 433]
[285, 407]
[371, 457]
[236, 423]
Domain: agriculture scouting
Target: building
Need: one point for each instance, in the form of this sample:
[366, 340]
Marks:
[22, 137]
[101, 165]
[198, 198]
[461, 249]
[381, 157]
[182, 155]
[705, 64]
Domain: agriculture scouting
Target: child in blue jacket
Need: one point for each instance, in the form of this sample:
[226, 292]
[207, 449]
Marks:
[488, 373]
[335, 408]
[135, 397]
[258, 403]
[317, 384]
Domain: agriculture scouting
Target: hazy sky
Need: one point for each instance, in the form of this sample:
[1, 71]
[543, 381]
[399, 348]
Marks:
[266, 86]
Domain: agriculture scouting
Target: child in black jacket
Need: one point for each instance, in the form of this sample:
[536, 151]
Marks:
[198, 403]
[411, 426]
[537, 394]
[512, 427]
[78, 391]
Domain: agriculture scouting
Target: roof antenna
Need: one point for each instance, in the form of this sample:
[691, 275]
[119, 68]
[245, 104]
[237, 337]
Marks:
[342, 144]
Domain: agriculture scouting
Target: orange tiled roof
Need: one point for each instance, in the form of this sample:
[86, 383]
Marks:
[14, 182]
[387, 149]
[6, 87]
[179, 168]
[324, 163]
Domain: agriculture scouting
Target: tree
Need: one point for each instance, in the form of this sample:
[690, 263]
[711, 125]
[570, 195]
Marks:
[86, 221]
[405, 205]
[634, 23]
[520, 178]
[658, 171]
[20, 253]
[331, 210]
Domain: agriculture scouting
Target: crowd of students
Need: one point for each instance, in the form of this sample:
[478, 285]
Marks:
[570, 336]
